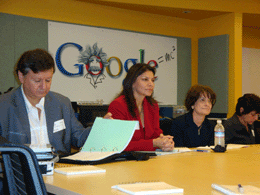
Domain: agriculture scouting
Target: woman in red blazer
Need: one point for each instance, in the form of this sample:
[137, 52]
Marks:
[135, 102]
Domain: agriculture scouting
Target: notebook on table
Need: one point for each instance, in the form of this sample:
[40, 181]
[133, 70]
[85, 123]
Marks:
[106, 141]
[79, 170]
[148, 188]
[234, 190]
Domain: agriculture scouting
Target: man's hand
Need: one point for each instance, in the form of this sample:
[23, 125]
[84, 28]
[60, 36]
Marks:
[108, 116]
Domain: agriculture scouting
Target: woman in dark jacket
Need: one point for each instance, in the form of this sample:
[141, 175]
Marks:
[193, 129]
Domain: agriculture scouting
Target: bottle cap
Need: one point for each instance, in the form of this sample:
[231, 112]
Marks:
[219, 121]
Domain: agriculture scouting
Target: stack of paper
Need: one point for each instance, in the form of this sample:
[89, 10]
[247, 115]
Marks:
[42, 151]
[77, 170]
[229, 146]
[236, 146]
[148, 188]
[234, 190]
[159, 152]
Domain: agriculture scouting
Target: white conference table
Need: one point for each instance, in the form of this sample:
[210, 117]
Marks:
[192, 171]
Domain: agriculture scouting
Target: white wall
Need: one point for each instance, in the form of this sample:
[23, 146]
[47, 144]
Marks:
[118, 43]
[251, 71]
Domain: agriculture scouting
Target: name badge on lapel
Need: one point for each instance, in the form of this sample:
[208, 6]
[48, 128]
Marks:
[58, 126]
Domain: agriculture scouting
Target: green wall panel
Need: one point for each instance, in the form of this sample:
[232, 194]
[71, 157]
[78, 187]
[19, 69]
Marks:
[213, 68]
[7, 59]
[183, 68]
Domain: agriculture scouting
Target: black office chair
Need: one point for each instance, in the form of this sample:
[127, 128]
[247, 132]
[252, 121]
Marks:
[257, 131]
[21, 170]
[165, 124]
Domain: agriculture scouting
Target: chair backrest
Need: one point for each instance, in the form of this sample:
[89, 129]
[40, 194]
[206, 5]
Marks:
[21, 170]
[165, 125]
[257, 131]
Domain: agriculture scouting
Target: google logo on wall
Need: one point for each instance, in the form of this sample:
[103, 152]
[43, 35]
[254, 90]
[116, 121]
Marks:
[98, 58]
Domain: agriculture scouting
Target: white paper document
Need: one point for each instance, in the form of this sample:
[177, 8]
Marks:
[79, 170]
[229, 147]
[148, 188]
[234, 190]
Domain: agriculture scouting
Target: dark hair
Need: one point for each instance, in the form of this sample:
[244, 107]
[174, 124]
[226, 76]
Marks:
[36, 60]
[195, 92]
[249, 102]
[132, 74]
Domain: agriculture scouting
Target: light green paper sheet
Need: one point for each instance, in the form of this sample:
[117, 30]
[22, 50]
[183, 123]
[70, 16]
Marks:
[109, 135]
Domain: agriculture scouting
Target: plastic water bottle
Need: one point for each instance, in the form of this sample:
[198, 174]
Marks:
[219, 134]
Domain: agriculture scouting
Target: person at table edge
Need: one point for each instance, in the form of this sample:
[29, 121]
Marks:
[135, 102]
[193, 129]
[32, 114]
[239, 129]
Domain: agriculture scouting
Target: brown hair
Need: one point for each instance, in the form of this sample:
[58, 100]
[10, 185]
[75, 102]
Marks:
[195, 92]
[249, 102]
[36, 60]
[135, 71]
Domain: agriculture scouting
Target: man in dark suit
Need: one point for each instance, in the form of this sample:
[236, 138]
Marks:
[32, 114]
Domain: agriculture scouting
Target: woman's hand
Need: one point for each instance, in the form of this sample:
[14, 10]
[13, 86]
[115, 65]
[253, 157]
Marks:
[164, 142]
[108, 116]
